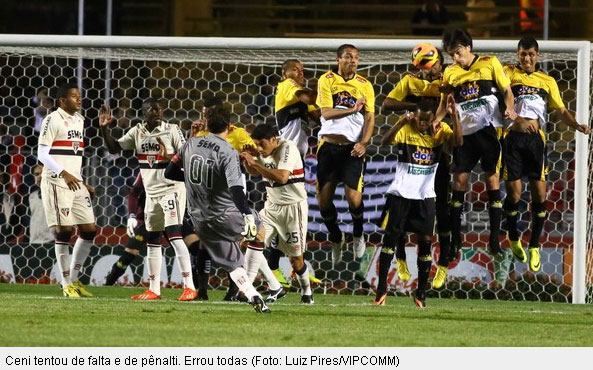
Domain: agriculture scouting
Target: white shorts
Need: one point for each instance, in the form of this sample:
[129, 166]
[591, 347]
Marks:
[64, 207]
[165, 210]
[289, 222]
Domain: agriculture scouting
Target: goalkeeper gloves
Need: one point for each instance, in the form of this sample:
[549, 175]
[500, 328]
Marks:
[132, 223]
[250, 231]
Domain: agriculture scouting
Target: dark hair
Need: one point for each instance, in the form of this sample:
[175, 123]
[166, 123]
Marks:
[212, 101]
[64, 89]
[427, 105]
[147, 103]
[528, 42]
[342, 47]
[264, 131]
[288, 63]
[441, 57]
[456, 37]
[217, 119]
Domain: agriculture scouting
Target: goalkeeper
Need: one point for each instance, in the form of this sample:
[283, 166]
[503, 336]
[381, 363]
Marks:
[216, 200]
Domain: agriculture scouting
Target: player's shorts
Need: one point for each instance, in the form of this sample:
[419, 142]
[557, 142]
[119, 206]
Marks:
[221, 238]
[166, 210]
[401, 215]
[289, 222]
[524, 155]
[335, 164]
[64, 207]
[139, 240]
[483, 146]
[442, 179]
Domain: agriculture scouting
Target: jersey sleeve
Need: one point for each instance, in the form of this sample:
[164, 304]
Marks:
[369, 106]
[289, 89]
[324, 95]
[287, 153]
[401, 89]
[554, 98]
[311, 108]
[500, 77]
[400, 137]
[232, 168]
[128, 141]
[177, 138]
[48, 131]
[445, 134]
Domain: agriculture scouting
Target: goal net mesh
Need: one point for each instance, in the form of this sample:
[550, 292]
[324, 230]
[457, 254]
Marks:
[246, 80]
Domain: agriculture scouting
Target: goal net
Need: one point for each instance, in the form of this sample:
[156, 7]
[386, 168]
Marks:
[123, 71]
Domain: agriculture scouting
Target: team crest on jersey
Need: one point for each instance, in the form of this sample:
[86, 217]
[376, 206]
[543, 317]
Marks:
[470, 90]
[75, 146]
[527, 90]
[344, 99]
[150, 159]
[65, 211]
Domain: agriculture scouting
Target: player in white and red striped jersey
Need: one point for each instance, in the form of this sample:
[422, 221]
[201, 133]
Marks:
[286, 209]
[67, 201]
[152, 140]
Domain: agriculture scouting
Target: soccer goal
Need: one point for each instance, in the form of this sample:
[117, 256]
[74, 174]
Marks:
[122, 71]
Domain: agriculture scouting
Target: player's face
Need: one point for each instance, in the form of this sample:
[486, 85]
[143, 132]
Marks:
[422, 120]
[266, 147]
[348, 62]
[37, 174]
[295, 72]
[461, 55]
[528, 58]
[72, 103]
[153, 113]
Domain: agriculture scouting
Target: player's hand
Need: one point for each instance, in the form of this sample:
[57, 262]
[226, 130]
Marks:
[451, 107]
[359, 150]
[250, 149]
[71, 182]
[360, 102]
[247, 158]
[91, 191]
[162, 149]
[584, 129]
[250, 231]
[132, 223]
[510, 114]
[105, 116]
[197, 126]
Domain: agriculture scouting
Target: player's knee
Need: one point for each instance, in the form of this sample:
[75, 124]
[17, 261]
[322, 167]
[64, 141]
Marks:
[63, 236]
[329, 213]
[194, 248]
[88, 235]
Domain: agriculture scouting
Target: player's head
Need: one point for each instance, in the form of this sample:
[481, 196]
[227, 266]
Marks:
[37, 170]
[347, 57]
[293, 69]
[152, 110]
[218, 119]
[69, 98]
[211, 101]
[424, 114]
[265, 137]
[528, 53]
[458, 44]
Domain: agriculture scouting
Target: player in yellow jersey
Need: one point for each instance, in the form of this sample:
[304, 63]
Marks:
[524, 151]
[347, 102]
[407, 94]
[473, 80]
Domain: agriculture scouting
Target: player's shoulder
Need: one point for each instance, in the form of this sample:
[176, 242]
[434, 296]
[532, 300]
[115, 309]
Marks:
[487, 58]
[287, 83]
[544, 76]
[329, 75]
[361, 79]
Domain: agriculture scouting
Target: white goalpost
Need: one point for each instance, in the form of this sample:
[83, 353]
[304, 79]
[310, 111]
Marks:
[183, 71]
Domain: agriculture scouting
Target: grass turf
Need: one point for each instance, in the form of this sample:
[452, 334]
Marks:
[38, 315]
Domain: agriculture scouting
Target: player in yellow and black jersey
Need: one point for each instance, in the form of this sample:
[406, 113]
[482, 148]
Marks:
[473, 81]
[524, 151]
[347, 102]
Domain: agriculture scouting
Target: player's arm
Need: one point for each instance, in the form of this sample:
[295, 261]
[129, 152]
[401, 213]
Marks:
[43, 148]
[326, 102]
[306, 96]
[387, 139]
[174, 171]
[504, 84]
[368, 127]
[105, 118]
[395, 100]
[568, 119]
[457, 138]
[133, 201]
[274, 174]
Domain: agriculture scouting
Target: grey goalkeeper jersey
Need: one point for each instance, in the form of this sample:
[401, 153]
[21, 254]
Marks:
[211, 167]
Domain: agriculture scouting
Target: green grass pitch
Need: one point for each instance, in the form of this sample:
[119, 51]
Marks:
[37, 315]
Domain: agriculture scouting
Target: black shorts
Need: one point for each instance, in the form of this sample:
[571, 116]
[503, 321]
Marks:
[483, 146]
[401, 215]
[442, 179]
[187, 228]
[138, 241]
[335, 164]
[524, 155]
